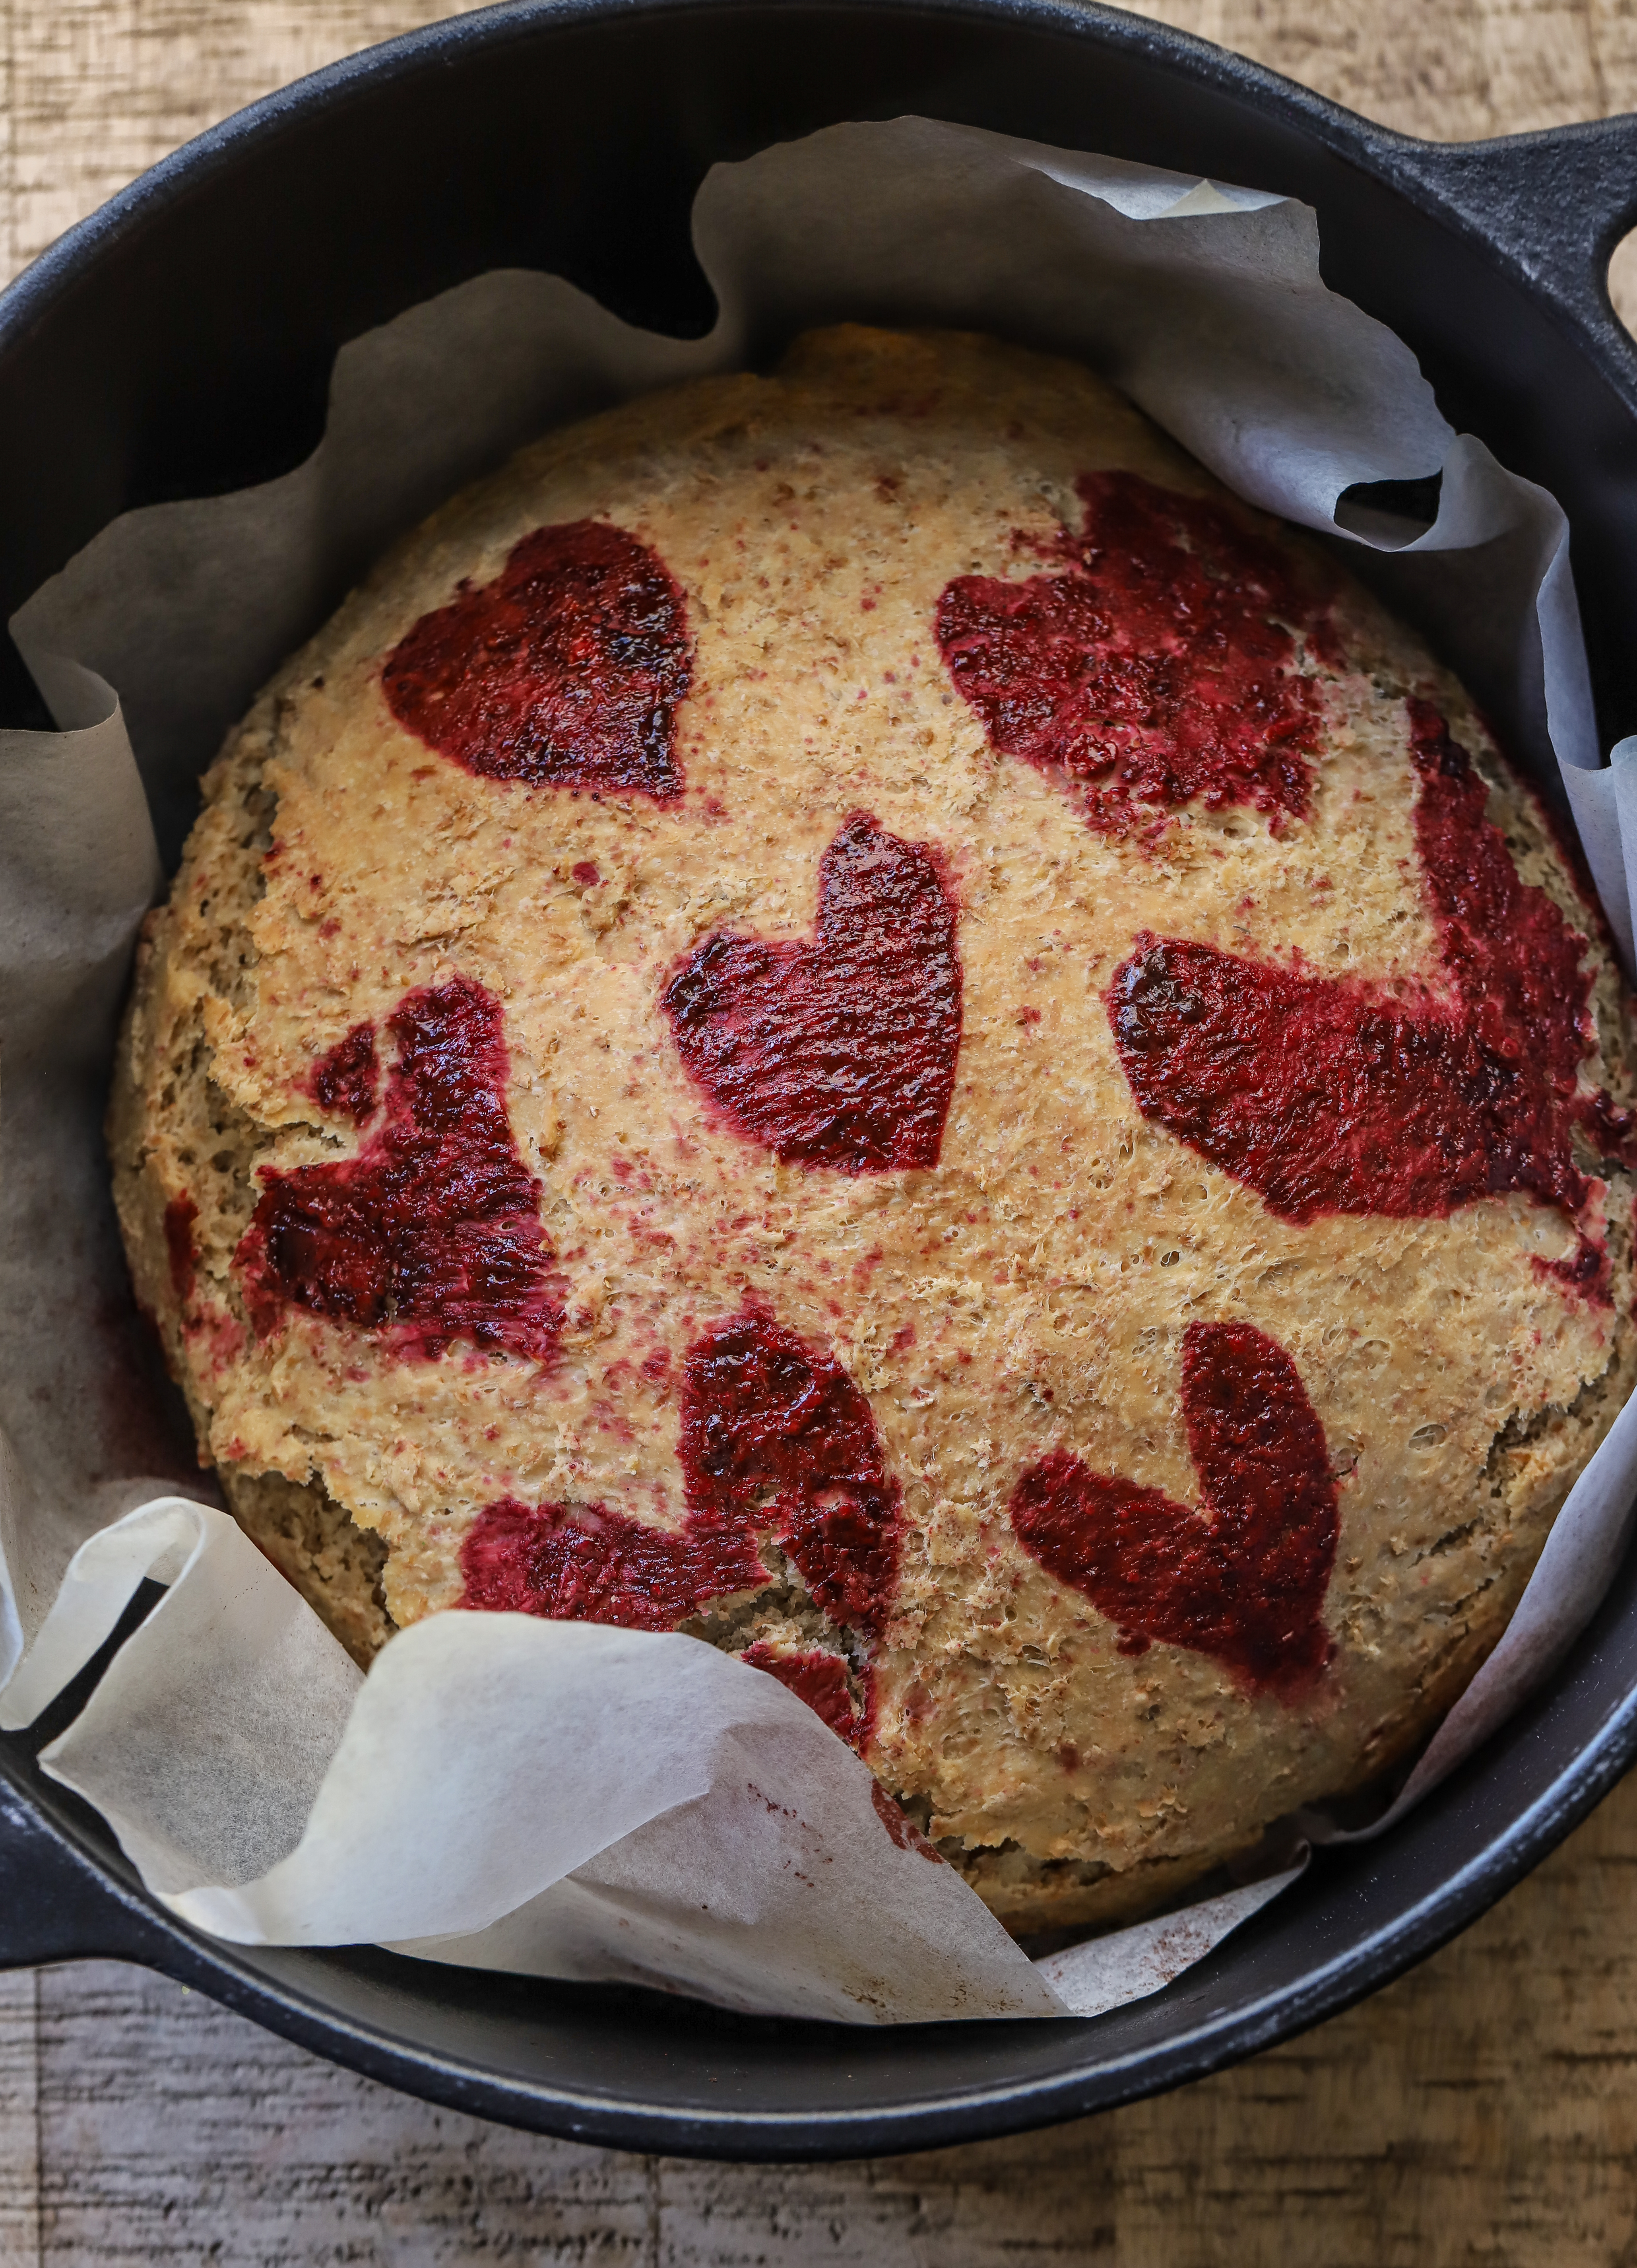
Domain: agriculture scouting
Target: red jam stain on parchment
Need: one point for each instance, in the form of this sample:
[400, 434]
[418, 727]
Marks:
[1328, 1096]
[776, 1441]
[432, 1233]
[1156, 664]
[566, 671]
[134, 1420]
[1242, 1579]
[840, 1053]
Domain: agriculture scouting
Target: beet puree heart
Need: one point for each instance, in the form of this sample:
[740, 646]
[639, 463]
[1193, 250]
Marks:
[431, 1235]
[776, 1439]
[840, 1053]
[1333, 1095]
[566, 671]
[1155, 663]
[1244, 1579]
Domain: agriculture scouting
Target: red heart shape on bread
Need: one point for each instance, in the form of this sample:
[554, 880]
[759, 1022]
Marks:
[566, 671]
[1244, 1578]
[1155, 664]
[431, 1234]
[1329, 1094]
[776, 1439]
[840, 1053]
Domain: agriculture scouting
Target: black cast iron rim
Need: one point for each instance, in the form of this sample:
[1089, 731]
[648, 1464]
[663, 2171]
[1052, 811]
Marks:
[65, 1890]
[102, 1910]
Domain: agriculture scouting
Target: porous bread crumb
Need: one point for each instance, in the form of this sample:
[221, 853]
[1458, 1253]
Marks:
[1032, 1290]
[336, 1566]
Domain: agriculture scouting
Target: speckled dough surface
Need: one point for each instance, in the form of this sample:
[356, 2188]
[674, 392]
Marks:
[710, 1147]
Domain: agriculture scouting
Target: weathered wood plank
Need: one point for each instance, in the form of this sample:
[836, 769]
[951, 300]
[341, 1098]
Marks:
[101, 89]
[171, 2131]
[19, 2124]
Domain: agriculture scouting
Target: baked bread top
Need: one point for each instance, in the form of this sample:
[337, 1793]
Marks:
[851, 1012]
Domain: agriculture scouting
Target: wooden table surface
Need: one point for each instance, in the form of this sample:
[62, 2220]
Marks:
[1482, 2111]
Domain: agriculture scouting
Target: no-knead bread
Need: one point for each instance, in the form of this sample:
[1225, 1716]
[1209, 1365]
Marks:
[851, 1013]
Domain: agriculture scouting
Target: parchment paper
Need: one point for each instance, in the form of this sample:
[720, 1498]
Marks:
[560, 1798]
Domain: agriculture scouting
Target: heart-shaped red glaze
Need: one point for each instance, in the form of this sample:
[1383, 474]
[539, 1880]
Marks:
[1242, 1579]
[840, 1053]
[432, 1233]
[776, 1439]
[776, 1434]
[566, 671]
[1330, 1095]
[1156, 664]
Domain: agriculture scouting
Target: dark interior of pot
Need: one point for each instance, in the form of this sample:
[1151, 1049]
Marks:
[181, 342]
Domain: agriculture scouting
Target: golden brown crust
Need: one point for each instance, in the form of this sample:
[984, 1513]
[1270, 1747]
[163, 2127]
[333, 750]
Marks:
[1031, 1292]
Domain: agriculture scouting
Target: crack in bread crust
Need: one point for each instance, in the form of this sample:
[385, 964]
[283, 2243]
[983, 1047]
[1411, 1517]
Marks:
[313, 1542]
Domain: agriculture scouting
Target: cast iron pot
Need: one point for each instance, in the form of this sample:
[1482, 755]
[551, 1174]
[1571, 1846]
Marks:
[179, 342]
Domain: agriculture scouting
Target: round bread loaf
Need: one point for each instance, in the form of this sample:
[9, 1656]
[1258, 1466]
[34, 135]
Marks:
[851, 1013]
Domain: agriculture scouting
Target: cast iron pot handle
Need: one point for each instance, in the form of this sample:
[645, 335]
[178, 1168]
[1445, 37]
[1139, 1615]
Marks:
[56, 1904]
[1554, 205]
